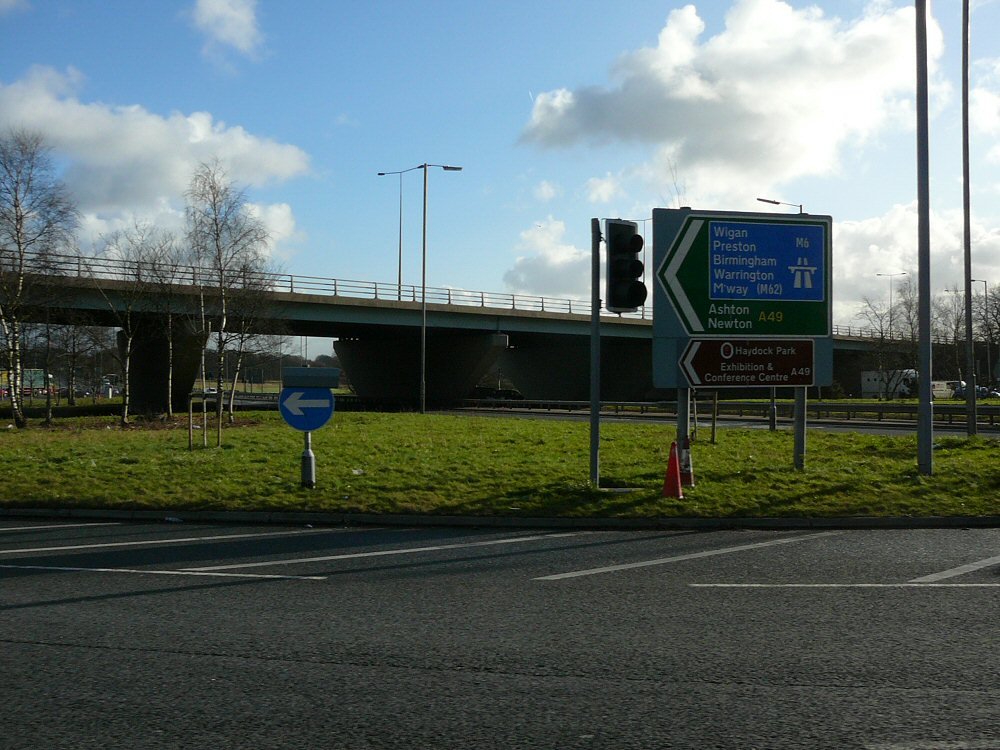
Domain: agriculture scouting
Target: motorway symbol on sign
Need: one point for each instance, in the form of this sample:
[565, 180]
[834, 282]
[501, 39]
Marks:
[743, 363]
[727, 275]
[306, 409]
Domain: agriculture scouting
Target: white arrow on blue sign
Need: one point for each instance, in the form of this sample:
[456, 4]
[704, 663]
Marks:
[306, 409]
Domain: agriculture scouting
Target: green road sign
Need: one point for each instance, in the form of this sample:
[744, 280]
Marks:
[746, 275]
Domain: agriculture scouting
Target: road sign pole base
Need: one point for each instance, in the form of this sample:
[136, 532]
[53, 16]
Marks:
[308, 464]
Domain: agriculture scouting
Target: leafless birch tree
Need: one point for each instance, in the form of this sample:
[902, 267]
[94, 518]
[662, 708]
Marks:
[37, 217]
[224, 236]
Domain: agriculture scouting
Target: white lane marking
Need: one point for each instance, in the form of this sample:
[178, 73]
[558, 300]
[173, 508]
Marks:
[909, 585]
[960, 570]
[58, 526]
[681, 558]
[135, 571]
[931, 745]
[176, 540]
[389, 552]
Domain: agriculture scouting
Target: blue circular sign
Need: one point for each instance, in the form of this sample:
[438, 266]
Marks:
[306, 409]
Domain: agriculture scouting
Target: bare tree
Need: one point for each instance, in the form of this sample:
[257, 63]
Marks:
[136, 250]
[948, 322]
[248, 296]
[988, 315]
[37, 216]
[166, 273]
[885, 355]
[224, 236]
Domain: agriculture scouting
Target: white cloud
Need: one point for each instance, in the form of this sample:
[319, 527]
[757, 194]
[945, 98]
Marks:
[984, 104]
[888, 244]
[228, 24]
[778, 94]
[549, 267]
[280, 222]
[546, 191]
[603, 189]
[125, 162]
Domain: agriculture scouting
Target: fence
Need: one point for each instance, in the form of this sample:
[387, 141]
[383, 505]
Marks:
[111, 268]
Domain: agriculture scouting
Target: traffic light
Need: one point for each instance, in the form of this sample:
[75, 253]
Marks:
[625, 290]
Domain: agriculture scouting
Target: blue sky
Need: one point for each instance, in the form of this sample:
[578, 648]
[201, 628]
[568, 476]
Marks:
[558, 111]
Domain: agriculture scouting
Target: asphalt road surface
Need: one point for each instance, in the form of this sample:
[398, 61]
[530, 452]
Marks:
[202, 636]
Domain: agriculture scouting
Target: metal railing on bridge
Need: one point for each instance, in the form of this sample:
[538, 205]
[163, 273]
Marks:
[112, 268]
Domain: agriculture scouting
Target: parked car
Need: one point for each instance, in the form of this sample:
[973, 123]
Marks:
[982, 391]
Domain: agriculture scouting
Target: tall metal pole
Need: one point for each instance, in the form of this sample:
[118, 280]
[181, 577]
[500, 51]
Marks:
[423, 270]
[925, 414]
[971, 394]
[423, 307]
[399, 272]
[595, 352]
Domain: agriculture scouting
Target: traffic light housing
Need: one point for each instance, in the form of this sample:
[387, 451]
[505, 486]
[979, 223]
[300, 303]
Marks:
[625, 290]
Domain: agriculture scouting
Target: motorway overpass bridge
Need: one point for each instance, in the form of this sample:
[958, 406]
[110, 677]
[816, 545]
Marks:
[540, 344]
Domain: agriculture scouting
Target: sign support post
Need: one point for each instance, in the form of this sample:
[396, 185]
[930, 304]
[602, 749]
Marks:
[595, 353]
[800, 428]
[308, 464]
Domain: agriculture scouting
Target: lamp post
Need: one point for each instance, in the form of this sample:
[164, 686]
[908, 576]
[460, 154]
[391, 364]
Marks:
[890, 276]
[423, 270]
[399, 275]
[782, 203]
[986, 331]
[423, 289]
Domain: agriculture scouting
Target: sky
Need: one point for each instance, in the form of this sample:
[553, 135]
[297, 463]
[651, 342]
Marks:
[557, 111]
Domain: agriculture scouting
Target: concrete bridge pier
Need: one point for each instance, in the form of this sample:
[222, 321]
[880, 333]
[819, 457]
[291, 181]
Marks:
[149, 365]
[387, 369]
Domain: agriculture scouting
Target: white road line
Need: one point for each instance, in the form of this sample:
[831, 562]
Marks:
[157, 572]
[681, 558]
[388, 552]
[909, 585]
[960, 570]
[58, 526]
[931, 745]
[154, 542]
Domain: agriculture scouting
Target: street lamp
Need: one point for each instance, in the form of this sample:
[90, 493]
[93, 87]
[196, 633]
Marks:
[986, 322]
[423, 270]
[399, 275]
[782, 203]
[889, 276]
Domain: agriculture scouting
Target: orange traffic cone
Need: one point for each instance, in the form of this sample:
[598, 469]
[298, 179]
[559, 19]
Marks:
[672, 481]
[687, 466]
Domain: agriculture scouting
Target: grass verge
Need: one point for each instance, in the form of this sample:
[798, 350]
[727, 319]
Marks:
[439, 464]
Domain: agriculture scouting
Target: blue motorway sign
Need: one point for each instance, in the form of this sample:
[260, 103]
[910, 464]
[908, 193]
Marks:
[766, 261]
[306, 409]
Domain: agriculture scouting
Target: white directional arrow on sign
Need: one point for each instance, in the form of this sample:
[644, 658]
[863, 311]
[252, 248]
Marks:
[672, 282]
[296, 402]
[687, 363]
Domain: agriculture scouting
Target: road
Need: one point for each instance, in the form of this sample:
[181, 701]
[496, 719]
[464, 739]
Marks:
[211, 636]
